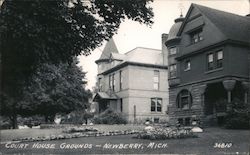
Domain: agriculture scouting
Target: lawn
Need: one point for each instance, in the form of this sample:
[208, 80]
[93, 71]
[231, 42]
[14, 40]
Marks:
[204, 144]
[8, 135]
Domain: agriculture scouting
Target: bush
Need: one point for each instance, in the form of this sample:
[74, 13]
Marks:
[5, 123]
[238, 117]
[30, 121]
[77, 117]
[109, 117]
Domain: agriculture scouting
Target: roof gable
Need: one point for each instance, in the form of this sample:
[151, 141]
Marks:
[232, 26]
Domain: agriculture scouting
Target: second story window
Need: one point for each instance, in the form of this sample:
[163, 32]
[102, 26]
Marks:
[121, 80]
[112, 82]
[156, 79]
[219, 58]
[214, 60]
[187, 65]
[172, 71]
[210, 61]
[196, 36]
[172, 51]
[100, 84]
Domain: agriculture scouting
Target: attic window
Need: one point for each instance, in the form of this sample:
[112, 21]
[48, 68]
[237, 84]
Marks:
[196, 36]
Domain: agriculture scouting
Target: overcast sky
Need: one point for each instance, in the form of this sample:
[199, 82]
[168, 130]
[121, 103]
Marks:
[132, 34]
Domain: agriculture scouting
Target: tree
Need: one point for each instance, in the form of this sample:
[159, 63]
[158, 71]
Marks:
[55, 89]
[34, 32]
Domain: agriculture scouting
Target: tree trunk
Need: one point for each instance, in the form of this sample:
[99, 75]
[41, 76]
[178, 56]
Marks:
[46, 119]
[13, 119]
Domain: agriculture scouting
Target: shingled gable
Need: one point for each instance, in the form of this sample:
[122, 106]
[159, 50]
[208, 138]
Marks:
[109, 48]
[234, 27]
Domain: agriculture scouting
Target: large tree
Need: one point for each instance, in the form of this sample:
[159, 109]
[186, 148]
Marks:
[55, 89]
[34, 32]
[52, 89]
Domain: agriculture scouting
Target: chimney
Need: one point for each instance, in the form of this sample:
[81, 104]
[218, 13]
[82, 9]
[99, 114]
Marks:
[164, 49]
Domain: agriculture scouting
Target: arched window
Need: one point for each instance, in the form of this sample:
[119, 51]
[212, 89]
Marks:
[184, 99]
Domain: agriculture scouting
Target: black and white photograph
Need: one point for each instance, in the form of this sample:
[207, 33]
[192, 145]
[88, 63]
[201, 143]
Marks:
[125, 77]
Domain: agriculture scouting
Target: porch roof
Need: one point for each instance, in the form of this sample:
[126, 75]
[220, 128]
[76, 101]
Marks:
[104, 96]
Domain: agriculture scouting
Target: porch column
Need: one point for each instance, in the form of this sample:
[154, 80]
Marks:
[246, 88]
[229, 86]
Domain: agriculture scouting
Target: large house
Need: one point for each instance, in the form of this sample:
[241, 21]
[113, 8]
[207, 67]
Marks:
[209, 64]
[134, 83]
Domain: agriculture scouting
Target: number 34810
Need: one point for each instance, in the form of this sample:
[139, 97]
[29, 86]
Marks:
[223, 145]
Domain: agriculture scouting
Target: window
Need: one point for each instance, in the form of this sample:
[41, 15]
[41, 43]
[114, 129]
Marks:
[214, 60]
[210, 61]
[187, 65]
[156, 80]
[121, 80]
[172, 50]
[172, 71]
[219, 58]
[100, 84]
[112, 82]
[156, 104]
[184, 100]
[121, 107]
[156, 120]
[196, 36]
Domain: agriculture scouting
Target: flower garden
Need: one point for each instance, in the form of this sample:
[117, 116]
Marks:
[140, 132]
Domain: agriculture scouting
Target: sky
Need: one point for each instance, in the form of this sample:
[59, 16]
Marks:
[132, 34]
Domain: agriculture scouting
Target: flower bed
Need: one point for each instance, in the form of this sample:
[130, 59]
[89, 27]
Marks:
[161, 133]
[77, 133]
[80, 129]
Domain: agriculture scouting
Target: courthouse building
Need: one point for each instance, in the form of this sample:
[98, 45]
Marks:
[134, 83]
[208, 64]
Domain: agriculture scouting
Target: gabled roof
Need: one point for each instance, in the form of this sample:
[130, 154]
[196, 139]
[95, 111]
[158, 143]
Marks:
[109, 48]
[234, 27]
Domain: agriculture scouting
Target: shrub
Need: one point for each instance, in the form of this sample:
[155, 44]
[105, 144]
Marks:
[86, 129]
[238, 117]
[109, 117]
[5, 123]
[77, 117]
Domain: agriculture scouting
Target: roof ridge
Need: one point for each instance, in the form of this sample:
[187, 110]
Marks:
[141, 48]
[198, 6]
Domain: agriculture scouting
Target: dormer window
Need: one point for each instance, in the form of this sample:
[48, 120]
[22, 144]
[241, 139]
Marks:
[196, 36]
